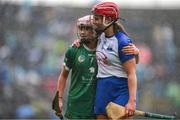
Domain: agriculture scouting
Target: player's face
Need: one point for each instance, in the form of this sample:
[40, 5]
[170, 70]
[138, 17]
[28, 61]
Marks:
[86, 33]
[98, 22]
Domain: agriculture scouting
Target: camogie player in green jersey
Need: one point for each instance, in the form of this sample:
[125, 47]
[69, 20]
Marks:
[82, 62]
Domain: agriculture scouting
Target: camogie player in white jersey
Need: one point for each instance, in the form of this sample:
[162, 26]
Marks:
[116, 78]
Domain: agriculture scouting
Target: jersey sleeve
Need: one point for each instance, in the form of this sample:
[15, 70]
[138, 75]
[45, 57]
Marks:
[68, 59]
[124, 41]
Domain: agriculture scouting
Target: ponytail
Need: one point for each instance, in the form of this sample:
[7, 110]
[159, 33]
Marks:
[119, 27]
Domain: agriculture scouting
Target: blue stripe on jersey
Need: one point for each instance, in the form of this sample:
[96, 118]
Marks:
[123, 40]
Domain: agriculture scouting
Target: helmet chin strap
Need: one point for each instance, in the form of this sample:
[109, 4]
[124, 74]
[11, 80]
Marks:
[85, 41]
[107, 25]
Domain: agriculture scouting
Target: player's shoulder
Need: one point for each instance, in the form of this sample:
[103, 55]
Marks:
[73, 48]
[123, 38]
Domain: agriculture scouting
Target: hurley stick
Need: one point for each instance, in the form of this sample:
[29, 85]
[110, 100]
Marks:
[115, 112]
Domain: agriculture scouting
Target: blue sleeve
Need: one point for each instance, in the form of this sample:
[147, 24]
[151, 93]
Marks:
[123, 41]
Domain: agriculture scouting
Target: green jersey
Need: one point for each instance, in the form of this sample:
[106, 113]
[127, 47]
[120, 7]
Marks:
[82, 62]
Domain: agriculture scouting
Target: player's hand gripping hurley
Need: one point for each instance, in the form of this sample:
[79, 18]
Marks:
[115, 112]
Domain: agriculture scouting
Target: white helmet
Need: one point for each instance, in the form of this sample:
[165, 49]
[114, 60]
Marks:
[86, 22]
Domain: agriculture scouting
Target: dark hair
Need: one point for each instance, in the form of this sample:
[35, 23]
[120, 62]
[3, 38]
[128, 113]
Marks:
[117, 26]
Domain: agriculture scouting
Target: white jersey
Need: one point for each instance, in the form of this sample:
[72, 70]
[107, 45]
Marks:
[110, 57]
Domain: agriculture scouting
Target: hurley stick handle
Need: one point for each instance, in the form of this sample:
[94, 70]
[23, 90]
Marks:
[154, 115]
[159, 116]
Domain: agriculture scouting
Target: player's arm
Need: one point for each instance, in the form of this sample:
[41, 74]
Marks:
[131, 49]
[130, 67]
[62, 81]
[61, 84]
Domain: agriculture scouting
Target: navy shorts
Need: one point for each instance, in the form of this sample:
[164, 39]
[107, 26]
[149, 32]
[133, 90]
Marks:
[110, 89]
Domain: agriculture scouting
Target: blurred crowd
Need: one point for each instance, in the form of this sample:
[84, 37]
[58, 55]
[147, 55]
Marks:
[33, 40]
